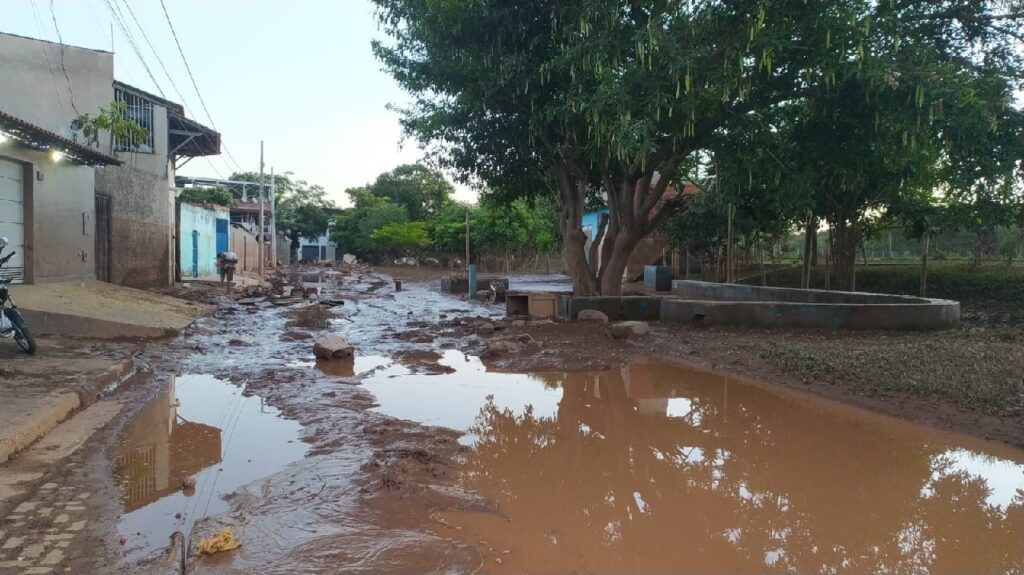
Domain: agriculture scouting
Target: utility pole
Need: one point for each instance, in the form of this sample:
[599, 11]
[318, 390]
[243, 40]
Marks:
[263, 255]
[273, 223]
[467, 242]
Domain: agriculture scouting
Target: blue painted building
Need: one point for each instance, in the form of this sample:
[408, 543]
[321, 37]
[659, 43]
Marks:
[590, 223]
[203, 231]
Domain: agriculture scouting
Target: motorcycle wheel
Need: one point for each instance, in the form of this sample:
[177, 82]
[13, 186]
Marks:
[23, 336]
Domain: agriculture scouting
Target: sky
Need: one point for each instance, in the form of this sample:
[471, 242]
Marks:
[298, 74]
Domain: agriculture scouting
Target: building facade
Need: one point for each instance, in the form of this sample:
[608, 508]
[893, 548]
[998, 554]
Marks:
[127, 203]
[203, 232]
[47, 179]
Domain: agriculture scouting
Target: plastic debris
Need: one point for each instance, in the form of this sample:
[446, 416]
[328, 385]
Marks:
[222, 540]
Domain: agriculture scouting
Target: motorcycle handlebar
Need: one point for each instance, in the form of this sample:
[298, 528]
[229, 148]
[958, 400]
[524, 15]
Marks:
[4, 259]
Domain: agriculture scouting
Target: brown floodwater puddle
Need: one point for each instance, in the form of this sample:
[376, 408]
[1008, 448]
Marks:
[664, 468]
[202, 427]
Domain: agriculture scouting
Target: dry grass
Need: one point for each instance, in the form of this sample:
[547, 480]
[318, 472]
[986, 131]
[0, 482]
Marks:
[315, 316]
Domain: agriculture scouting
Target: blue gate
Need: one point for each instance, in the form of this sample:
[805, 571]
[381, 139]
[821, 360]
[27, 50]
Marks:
[222, 236]
[195, 253]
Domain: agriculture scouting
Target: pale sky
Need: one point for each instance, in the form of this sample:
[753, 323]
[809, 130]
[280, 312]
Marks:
[298, 74]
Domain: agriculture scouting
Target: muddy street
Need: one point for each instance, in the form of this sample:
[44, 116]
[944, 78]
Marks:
[437, 450]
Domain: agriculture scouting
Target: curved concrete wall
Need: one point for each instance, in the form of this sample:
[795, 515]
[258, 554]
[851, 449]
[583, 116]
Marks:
[735, 304]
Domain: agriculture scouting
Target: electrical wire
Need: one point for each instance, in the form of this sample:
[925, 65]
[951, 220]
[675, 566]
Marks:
[194, 84]
[155, 53]
[46, 56]
[60, 40]
[132, 44]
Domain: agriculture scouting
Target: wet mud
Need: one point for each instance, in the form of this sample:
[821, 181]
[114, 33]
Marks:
[560, 451]
[663, 468]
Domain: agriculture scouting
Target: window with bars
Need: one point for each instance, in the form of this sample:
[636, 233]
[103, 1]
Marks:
[140, 110]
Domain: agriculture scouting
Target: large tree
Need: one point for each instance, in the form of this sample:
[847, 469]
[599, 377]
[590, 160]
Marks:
[605, 94]
[622, 95]
[422, 191]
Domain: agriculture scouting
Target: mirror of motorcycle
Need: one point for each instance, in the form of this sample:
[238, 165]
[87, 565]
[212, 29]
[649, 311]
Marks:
[3, 242]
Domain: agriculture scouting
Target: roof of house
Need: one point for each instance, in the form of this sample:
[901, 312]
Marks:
[150, 96]
[188, 138]
[39, 138]
[55, 43]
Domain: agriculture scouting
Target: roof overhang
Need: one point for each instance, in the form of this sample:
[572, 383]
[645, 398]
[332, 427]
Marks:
[43, 140]
[190, 139]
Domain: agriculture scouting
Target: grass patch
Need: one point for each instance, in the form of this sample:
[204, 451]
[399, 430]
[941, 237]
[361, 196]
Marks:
[988, 284]
[315, 316]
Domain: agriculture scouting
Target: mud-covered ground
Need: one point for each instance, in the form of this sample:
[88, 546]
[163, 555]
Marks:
[967, 380]
[365, 492]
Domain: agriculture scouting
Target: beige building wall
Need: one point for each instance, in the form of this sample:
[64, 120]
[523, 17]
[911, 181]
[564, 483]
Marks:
[33, 86]
[59, 212]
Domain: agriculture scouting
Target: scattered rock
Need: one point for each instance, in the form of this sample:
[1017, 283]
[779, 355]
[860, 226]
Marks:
[592, 315]
[235, 342]
[332, 346]
[501, 347]
[295, 336]
[630, 329]
[485, 329]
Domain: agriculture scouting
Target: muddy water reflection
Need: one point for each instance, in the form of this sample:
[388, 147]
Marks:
[197, 426]
[662, 468]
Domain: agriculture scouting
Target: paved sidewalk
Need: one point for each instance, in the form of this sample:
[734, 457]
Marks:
[102, 310]
[38, 392]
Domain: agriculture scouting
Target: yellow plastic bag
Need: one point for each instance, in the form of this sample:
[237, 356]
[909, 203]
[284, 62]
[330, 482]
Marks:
[223, 540]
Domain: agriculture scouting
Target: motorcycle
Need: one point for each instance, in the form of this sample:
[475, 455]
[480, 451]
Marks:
[12, 325]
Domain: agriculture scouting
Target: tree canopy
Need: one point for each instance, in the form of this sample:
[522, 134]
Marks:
[564, 97]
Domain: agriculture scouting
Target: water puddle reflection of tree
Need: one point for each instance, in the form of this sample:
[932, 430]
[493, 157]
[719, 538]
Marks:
[664, 468]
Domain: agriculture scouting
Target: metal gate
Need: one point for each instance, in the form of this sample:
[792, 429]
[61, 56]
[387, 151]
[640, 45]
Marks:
[12, 218]
[102, 238]
[311, 253]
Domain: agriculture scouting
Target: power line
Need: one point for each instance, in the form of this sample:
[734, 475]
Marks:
[60, 39]
[131, 43]
[155, 53]
[194, 84]
[46, 56]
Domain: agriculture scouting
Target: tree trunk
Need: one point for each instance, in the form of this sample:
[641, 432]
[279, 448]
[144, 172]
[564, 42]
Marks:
[844, 255]
[612, 269]
[596, 243]
[810, 232]
[924, 266]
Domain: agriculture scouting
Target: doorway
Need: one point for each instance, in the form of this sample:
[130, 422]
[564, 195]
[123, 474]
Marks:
[103, 238]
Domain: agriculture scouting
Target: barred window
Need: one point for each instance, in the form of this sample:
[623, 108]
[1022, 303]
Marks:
[140, 110]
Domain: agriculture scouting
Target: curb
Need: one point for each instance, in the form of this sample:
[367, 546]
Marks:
[57, 407]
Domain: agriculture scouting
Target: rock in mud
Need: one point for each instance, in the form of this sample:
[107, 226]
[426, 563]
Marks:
[592, 315]
[501, 347]
[332, 346]
[630, 329]
[295, 336]
[486, 329]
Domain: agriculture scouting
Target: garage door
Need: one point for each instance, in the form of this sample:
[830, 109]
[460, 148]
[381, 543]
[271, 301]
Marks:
[12, 218]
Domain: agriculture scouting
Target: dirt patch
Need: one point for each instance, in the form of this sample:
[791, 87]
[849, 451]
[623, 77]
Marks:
[314, 317]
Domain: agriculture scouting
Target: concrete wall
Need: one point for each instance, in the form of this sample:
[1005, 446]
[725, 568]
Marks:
[202, 219]
[59, 215]
[41, 94]
[756, 306]
[617, 308]
[141, 218]
[140, 224]
[245, 245]
[691, 289]
[939, 314]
